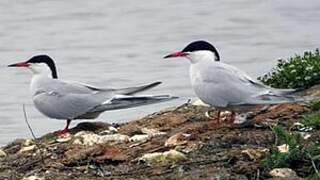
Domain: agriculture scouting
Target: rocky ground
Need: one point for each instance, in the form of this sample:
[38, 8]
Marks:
[179, 143]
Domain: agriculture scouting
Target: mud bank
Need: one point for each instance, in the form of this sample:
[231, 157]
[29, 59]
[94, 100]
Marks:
[180, 143]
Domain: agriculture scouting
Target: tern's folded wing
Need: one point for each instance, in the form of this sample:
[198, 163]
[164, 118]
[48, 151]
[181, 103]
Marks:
[220, 84]
[64, 106]
[123, 91]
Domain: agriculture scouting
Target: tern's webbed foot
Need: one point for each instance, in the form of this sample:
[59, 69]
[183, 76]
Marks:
[61, 132]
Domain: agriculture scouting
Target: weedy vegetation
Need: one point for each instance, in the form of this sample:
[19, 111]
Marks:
[312, 120]
[315, 105]
[302, 153]
[295, 72]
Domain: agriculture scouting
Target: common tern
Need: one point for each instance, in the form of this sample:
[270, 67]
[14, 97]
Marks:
[226, 87]
[72, 100]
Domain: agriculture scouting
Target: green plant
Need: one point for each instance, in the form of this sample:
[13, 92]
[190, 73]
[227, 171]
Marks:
[284, 159]
[315, 105]
[300, 151]
[312, 120]
[284, 137]
[315, 176]
[295, 72]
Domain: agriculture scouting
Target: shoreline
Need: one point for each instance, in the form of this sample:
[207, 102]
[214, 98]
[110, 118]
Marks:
[169, 144]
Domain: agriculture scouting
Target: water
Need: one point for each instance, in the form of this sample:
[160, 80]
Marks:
[120, 43]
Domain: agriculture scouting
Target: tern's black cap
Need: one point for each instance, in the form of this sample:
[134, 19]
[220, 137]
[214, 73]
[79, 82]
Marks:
[47, 60]
[201, 45]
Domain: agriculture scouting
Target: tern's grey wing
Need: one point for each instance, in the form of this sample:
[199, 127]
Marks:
[64, 106]
[88, 86]
[261, 94]
[245, 78]
[221, 85]
[123, 91]
[224, 85]
[65, 87]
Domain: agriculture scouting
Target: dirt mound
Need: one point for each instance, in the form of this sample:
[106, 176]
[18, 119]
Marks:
[174, 144]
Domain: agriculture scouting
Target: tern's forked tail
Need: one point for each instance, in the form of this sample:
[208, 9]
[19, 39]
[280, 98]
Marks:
[276, 99]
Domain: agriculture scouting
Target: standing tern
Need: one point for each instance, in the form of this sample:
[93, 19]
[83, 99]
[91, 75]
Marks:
[72, 100]
[226, 87]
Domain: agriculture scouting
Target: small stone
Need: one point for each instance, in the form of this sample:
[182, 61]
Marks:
[89, 139]
[33, 178]
[114, 138]
[2, 153]
[177, 139]
[306, 136]
[255, 154]
[298, 124]
[171, 156]
[140, 138]
[80, 133]
[283, 173]
[284, 148]
[240, 118]
[77, 141]
[28, 142]
[110, 130]
[152, 132]
[198, 102]
[64, 139]
[26, 149]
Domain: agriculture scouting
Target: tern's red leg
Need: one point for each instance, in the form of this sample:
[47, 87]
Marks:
[233, 117]
[217, 118]
[65, 130]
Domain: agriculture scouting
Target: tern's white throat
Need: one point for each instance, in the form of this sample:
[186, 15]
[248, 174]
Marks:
[41, 69]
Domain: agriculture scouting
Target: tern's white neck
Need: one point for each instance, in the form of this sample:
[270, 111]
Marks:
[38, 81]
[200, 56]
[40, 69]
[41, 76]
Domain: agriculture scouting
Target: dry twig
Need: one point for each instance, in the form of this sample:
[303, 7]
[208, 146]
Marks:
[26, 120]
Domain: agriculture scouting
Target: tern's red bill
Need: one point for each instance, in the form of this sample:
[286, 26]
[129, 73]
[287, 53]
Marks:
[176, 54]
[20, 64]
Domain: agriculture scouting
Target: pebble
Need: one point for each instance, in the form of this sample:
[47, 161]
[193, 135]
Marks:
[27, 148]
[64, 139]
[110, 130]
[198, 102]
[177, 139]
[33, 178]
[2, 153]
[284, 148]
[171, 156]
[283, 173]
[152, 132]
[28, 142]
[255, 154]
[89, 139]
[140, 138]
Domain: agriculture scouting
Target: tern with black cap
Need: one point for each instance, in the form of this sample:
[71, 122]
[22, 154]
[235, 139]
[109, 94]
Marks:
[72, 100]
[225, 87]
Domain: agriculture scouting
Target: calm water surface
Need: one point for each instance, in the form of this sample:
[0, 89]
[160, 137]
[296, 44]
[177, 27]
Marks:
[121, 43]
